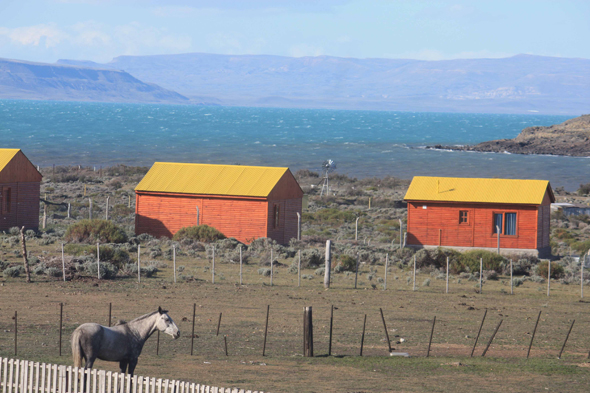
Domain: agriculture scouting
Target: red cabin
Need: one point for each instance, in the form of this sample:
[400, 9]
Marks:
[244, 202]
[465, 213]
[20, 184]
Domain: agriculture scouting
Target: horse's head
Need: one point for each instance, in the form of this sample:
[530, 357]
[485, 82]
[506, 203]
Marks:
[165, 324]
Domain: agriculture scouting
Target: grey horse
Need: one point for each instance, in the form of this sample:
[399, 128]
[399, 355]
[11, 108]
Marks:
[121, 343]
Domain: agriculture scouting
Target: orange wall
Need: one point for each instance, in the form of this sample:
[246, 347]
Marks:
[438, 225]
[24, 209]
[159, 215]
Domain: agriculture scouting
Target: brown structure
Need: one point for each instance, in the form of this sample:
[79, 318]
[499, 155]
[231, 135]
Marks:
[244, 202]
[20, 184]
[470, 213]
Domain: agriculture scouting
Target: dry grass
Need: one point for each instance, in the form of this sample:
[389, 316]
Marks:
[408, 314]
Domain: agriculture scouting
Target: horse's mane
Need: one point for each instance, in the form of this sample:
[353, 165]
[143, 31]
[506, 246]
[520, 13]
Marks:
[142, 317]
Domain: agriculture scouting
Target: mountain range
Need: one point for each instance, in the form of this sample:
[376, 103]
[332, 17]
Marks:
[518, 84]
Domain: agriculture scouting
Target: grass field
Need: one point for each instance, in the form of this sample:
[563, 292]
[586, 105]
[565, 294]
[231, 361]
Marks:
[408, 315]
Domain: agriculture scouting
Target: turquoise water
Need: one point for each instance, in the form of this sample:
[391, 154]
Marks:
[363, 143]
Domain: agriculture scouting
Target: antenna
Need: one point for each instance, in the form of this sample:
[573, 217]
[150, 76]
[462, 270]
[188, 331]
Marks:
[328, 166]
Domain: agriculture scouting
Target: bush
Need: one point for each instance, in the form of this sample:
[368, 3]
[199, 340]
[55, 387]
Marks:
[264, 272]
[319, 271]
[557, 270]
[198, 233]
[87, 231]
[14, 271]
[116, 255]
[471, 259]
[107, 270]
[347, 263]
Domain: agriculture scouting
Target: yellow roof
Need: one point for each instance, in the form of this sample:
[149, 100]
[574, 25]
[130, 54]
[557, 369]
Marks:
[254, 181]
[6, 155]
[456, 189]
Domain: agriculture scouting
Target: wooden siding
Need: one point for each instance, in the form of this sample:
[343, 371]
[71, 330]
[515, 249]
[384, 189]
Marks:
[544, 222]
[24, 206]
[286, 188]
[438, 225]
[20, 170]
[163, 215]
[287, 228]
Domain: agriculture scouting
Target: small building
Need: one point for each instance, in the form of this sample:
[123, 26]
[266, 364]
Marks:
[465, 213]
[570, 209]
[243, 202]
[20, 184]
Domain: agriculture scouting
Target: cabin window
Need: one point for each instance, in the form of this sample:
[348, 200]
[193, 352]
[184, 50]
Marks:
[497, 222]
[276, 215]
[6, 199]
[510, 224]
[506, 222]
[463, 217]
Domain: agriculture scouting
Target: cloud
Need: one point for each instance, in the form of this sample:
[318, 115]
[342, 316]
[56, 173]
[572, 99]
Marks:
[47, 35]
[95, 41]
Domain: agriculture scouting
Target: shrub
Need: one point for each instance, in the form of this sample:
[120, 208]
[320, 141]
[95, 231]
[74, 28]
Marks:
[107, 270]
[264, 272]
[319, 271]
[116, 255]
[426, 283]
[14, 231]
[557, 270]
[471, 259]
[14, 271]
[53, 272]
[348, 263]
[198, 233]
[86, 231]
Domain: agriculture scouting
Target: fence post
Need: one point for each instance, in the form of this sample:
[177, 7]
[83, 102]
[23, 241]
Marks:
[15, 332]
[218, 324]
[328, 265]
[271, 266]
[110, 310]
[298, 226]
[385, 328]
[331, 325]
[401, 231]
[480, 276]
[582, 274]
[385, 279]
[174, 261]
[240, 264]
[307, 332]
[511, 282]
[98, 259]
[356, 275]
[107, 209]
[356, 229]
[492, 338]
[193, 331]
[363, 335]
[63, 262]
[299, 269]
[89, 206]
[414, 285]
[533, 336]
[430, 340]
[447, 275]
[139, 263]
[566, 337]
[265, 330]
[44, 215]
[478, 332]
[61, 313]
[213, 265]
[69, 210]
[548, 277]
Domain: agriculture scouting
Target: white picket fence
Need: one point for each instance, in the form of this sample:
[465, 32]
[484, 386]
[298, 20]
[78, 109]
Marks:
[23, 376]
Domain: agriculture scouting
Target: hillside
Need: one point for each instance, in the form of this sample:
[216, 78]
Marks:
[570, 138]
[38, 81]
[519, 84]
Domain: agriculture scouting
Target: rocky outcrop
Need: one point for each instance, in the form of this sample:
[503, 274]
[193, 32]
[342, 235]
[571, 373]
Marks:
[571, 138]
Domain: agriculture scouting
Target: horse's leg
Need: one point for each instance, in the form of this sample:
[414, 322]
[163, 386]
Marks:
[132, 364]
[123, 367]
[89, 363]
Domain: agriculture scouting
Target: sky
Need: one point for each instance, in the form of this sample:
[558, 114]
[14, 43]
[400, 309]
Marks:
[99, 30]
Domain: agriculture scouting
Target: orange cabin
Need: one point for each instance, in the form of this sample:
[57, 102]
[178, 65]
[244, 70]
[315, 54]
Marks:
[468, 213]
[244, 202]
[20, 184]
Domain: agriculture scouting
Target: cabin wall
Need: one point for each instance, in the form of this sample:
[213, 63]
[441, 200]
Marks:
[20, 170]
[23, 209]
[287, 223]
[163, 215]
[544, 222]
[437, 224]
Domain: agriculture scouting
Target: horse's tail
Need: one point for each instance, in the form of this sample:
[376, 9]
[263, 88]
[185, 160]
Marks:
[77, 352]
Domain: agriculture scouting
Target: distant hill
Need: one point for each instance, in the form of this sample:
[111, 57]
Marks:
[570, 138]
[519, 84]
[39, 81]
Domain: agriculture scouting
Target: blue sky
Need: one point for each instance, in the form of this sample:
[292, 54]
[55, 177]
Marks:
[98, 30]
